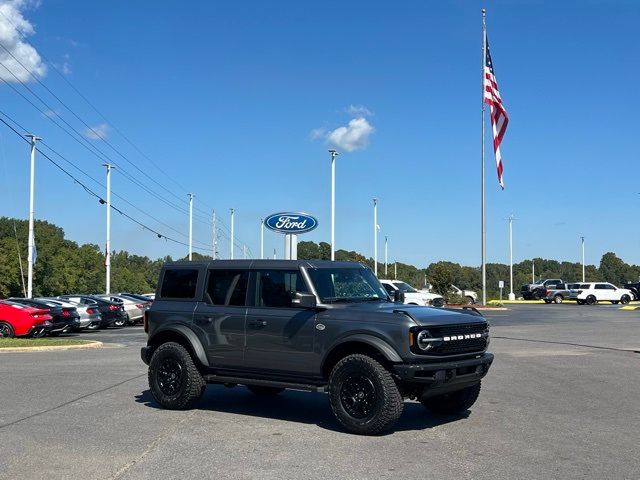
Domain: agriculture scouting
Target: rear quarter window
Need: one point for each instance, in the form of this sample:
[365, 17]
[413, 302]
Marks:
[179, 283]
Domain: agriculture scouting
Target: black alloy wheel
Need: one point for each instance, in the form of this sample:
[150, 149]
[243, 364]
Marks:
[358, 396]
[170, 376]
[6, 331]
[174, 379]
[364, 396]
[625, 299]
[591, 300]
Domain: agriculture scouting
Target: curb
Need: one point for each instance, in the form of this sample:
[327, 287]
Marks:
[629, 307]
[51, 348]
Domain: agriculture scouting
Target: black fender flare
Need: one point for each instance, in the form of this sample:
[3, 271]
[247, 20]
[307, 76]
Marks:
[188, 335]
[376, 342]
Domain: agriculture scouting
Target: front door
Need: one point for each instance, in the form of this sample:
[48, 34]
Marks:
[279, 336]
[220, 318]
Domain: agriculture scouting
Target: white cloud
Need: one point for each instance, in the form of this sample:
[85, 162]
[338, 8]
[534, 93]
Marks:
[13, 29]
[355, 136]
[97, 132]
[358, 111]
[317, 133]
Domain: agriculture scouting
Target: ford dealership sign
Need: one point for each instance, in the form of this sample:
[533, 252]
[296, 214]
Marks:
[291, 222]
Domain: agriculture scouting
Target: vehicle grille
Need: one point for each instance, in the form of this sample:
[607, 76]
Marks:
[458, 346]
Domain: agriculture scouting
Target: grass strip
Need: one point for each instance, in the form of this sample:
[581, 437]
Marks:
[40, 342]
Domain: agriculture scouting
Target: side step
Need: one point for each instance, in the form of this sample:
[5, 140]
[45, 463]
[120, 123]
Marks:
[211, 378]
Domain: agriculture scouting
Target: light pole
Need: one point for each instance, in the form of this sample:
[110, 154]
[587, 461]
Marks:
[334, 154]
[231, 238]
[190, 195]
[395, 270]
[107, 258]
[214, 241]
[583, 259]
[375, 236]
[511, 294]
[386, 253]
[262, 238]
[32, 241]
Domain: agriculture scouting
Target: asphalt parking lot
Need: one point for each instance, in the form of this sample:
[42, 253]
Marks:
[561, 401]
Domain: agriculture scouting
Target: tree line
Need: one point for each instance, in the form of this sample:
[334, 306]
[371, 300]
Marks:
[64, 266]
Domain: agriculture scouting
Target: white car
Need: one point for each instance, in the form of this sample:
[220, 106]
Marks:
[411, 295]
[594, 292]
[470, 295]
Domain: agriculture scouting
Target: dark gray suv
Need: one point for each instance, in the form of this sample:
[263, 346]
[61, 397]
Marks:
[310, 325]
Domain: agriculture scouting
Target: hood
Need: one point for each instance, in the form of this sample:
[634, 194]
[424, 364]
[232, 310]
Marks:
[423, 316]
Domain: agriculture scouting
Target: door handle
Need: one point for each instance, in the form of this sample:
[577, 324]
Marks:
[258, 323]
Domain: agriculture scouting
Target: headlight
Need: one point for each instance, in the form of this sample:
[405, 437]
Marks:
[423, 340]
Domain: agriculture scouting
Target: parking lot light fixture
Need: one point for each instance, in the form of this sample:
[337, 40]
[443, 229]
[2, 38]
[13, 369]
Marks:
[233, 212]
[583, 276]
[334, 154]
[190, 195]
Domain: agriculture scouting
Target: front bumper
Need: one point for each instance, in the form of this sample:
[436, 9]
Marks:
[443, 376]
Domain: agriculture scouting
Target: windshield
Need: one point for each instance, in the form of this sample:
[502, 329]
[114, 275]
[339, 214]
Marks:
[344, 285]
[405, 287]
[538, 282]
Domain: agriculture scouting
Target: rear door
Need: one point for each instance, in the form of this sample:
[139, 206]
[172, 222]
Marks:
[279, 335]
[220, 318]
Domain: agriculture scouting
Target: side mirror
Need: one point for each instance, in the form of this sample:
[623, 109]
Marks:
[398, 296]
[304, 300]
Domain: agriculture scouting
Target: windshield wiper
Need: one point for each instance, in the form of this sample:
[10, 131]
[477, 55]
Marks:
[375, 299]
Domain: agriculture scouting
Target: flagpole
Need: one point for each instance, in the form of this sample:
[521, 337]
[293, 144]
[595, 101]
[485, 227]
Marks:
[483, 212]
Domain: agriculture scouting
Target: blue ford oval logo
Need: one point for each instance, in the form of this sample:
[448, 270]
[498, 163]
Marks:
[291, 222]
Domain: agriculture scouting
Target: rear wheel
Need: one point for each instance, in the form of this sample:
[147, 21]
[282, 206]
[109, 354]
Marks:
[625, 299]
[454, 402]
[120, 322]
[470, 301]
[591, 300]
[615, 302]
[547, 301]
[580, 302]
[6, 330]
[174, 379]
[537, 295]
[264, 391]
[363, 395]
[558, 299]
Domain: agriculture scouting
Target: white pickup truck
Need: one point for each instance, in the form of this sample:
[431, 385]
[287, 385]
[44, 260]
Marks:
[411, 295]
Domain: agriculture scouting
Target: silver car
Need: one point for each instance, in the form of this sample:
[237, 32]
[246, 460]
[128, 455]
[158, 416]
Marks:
[90, 317]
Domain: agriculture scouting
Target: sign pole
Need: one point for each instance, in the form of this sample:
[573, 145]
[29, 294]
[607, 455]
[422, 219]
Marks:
[334, 154]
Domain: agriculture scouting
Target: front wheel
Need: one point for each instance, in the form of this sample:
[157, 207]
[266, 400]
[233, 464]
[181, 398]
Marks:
[174, 379]
[6, 330]
[625, 299]
[580, 302]
[558, 299]
[363, 395]
[452, 403]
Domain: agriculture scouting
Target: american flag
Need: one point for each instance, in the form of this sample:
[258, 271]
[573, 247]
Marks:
[499, 116]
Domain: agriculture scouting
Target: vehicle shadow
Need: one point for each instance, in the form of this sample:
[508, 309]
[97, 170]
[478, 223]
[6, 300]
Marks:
[301, 407]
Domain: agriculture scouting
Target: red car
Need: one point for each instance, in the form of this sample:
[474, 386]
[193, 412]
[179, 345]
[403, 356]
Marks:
[18, 320]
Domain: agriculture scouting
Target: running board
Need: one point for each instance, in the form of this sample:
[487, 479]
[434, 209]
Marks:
[211, 378]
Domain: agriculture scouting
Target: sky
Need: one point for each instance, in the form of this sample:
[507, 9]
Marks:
[239, 102]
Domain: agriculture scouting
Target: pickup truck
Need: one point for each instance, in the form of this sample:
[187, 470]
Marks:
[561, 293]
[537, 290]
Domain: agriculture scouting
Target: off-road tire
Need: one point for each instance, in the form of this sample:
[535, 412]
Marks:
[386, 402]
[190, 386]
[264, 391]
[452, 403]
[625, 299]
[6, 330]
[470, 300]
[558, 299]
[591, 300]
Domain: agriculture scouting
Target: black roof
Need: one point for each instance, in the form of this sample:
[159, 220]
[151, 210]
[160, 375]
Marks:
[265, 264]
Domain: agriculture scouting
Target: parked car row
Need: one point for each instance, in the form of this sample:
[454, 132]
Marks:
[589, 293]
[36, 317]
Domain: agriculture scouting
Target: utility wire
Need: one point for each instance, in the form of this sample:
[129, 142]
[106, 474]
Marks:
[100, 199]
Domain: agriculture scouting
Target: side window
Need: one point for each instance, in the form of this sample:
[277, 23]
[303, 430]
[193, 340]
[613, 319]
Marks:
[585, 286]
[601, 286]
[276, 288]
[179, 283]
[227, 287]
[609, 286]
[388, 288]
